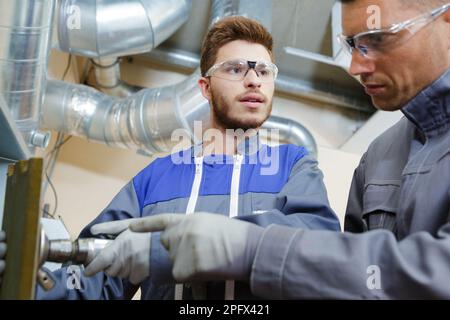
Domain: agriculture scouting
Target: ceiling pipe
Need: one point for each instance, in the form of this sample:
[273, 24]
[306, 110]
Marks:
[26, 33]
[108, 79]
[293, 132]
[115, 28]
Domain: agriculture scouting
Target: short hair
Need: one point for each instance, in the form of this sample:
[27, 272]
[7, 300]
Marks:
[230, 29]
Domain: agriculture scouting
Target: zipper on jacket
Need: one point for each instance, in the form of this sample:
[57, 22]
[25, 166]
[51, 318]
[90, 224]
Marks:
[234, 204]
[191, 209]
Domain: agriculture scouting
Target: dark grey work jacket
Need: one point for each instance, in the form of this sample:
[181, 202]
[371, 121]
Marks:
[397, 243]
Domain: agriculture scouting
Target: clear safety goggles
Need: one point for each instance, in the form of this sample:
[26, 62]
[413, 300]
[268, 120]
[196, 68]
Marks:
[236, 70]
[372, 43]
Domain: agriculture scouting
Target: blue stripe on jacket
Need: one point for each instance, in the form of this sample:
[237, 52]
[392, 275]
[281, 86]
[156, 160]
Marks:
[158, 181]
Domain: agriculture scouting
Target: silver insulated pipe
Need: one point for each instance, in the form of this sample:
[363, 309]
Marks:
[98, 28]
[293, 132]
[108, 79]
[25, 33]
[144, 121]
[106, 30]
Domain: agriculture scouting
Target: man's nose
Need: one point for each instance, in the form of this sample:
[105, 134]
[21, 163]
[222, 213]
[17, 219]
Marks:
[361, 65]
[252, 79]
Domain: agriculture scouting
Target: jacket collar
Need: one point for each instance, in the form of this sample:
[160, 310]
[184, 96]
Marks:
[246, 147]
[430, 109]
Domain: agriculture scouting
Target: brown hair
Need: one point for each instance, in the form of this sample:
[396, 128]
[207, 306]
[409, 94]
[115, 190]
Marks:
[230, 29]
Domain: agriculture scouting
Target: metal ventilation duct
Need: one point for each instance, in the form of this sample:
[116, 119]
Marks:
[25, 30]
[98, 28]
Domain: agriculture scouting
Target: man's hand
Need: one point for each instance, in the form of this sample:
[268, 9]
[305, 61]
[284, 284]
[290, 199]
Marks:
[2, 253]
[205, 246]
[127, 257]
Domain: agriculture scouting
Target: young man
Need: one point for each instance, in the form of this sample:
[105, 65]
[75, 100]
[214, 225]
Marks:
[232, 175]
[400, 190]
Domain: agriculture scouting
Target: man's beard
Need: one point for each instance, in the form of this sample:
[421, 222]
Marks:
[221, 115]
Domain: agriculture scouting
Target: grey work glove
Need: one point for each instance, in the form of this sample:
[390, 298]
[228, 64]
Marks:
[127, 257]
[2, 253]
[205, 246]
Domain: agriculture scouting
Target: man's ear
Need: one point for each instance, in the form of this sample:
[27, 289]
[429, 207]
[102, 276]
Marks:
[205, 87]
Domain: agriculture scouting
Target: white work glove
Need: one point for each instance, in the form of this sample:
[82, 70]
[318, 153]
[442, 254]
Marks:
[2, 253]
[127, 257]
[205, 246]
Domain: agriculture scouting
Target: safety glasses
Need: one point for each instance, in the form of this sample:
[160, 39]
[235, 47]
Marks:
[372, 43]
[236, 70]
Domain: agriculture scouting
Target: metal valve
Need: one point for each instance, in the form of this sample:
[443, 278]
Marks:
[80, 251]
